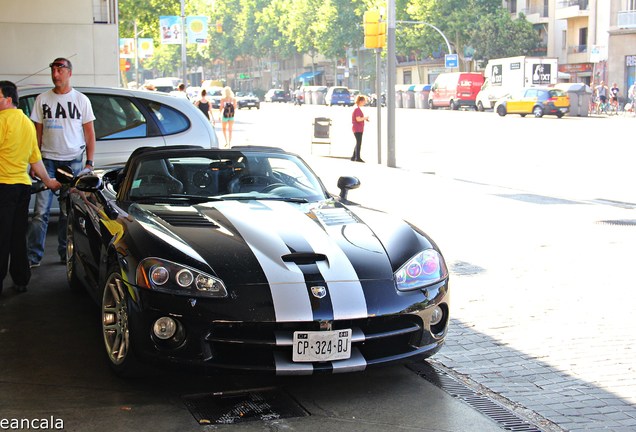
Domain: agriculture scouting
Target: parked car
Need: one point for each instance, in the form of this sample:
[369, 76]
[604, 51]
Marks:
[455, 89]
[247, 100]
[535, 100]
[276, 95]
[240, 259]
[354, 94]
[338, 96]
[128, 119]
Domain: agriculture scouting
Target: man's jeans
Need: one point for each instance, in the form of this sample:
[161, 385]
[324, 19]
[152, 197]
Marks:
[40, 222]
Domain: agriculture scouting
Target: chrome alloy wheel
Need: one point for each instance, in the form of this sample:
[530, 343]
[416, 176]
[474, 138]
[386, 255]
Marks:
[115, 319]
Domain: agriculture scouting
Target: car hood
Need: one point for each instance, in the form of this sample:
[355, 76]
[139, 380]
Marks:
[285, 246]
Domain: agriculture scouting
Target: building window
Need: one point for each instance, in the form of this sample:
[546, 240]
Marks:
[512, 6]
[630, 5]
[407, 77]
[583, 36]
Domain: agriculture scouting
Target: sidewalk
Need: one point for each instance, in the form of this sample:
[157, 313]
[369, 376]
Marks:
[529, 324]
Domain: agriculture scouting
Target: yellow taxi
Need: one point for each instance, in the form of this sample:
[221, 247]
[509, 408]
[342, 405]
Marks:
[539, 101]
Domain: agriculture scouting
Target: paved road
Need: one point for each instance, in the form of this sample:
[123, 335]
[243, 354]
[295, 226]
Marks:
[543, 297]
[536, 218]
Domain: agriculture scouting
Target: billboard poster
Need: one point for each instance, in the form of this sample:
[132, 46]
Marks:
[146, 48]
[170, 28]
[197, 29]
[126, 48]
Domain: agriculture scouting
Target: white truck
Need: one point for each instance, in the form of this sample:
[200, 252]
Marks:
[505, 75]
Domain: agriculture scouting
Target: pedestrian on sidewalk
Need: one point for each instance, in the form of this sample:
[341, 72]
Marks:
[227, 106]
[64, 128]
[203, 103]
[358, 118]
[18, 152]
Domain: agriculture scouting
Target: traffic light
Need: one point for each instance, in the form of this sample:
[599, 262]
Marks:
[374, 30]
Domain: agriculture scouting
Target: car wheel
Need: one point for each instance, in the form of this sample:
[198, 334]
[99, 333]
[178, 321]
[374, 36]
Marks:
[559, 114]
[537, 111]
[431, 105]
[480, 106]
[522, 115]
[115, 326]
[501, 110]
[71, 258]
[453, 105]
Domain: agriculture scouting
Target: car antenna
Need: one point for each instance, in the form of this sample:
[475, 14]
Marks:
[44, 68]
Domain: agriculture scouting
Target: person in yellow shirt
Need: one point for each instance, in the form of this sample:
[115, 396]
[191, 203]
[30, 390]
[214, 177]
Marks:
[19, 153]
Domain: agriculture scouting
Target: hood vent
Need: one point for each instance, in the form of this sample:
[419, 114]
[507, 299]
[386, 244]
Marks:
[301, 258]
[187, 219]
[336, 217]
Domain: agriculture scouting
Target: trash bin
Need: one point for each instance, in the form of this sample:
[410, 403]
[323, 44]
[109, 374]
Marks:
[322, 127]
[421, 96]
[580, 97]
[318, 96]
[307, 95]
[408, 97]
[398, 99]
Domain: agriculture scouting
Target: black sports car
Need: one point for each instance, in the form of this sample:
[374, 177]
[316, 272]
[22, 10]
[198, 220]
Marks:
[241, 259]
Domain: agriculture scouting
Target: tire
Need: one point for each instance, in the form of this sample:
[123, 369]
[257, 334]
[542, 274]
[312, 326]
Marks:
[559, 114]
[480, 106]
[501, 110]
[71, 258]
[431, 105]
[522, 115]
[537, 111]
[115, 327]
[453, 105]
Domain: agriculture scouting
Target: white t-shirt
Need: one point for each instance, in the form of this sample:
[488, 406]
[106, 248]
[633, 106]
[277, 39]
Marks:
[62, 117]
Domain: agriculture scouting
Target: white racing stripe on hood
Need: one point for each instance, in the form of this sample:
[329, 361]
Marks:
[261, 233]
[347, 296]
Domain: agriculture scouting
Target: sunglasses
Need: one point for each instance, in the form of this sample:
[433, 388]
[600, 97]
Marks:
[58, 66]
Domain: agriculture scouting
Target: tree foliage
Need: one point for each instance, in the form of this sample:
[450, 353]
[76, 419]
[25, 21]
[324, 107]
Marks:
[276, 29]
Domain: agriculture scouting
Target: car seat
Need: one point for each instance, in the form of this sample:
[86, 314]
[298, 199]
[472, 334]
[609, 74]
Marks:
[154, 177]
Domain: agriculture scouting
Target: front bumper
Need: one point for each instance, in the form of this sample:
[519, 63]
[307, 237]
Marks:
[222, 343]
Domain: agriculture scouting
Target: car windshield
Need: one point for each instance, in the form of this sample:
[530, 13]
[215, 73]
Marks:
[219, 175]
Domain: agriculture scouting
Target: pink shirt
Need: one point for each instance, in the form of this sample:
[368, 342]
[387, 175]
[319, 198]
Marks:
[358, 126]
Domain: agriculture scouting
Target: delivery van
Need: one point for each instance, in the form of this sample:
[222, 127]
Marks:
[455, 89]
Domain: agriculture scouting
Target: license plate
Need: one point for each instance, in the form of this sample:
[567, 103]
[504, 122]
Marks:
[564, 110]
[319, 346]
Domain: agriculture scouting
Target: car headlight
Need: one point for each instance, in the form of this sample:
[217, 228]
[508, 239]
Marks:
[166, 276]
[424, 269]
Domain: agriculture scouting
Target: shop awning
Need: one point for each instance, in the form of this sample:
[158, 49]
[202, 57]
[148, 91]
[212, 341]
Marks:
[308, 75]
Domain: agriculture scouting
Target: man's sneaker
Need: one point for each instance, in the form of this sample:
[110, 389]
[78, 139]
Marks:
[34, 264]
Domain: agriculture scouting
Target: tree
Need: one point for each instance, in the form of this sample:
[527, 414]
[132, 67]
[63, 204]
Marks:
[500, 36]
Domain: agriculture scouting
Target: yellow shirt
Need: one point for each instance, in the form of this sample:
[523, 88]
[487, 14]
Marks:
[18, 147]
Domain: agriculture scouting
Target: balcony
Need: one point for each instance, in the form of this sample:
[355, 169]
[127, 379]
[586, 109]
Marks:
[578, 54]
[572, 9]
[536, 14]
[626, 19]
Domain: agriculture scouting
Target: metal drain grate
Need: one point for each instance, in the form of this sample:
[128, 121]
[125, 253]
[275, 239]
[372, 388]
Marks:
[619, 222]
[241, 406]
[507, 419]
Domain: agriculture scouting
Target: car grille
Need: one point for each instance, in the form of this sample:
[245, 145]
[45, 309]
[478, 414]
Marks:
[254, 345]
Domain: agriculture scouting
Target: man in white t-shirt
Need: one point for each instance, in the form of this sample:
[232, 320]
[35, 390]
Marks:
[63, 120]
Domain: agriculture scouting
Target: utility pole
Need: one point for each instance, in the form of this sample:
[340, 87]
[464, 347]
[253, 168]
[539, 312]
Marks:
[390, 84]
[183, 45]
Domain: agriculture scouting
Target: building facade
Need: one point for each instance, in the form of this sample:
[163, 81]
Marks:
[84, 31]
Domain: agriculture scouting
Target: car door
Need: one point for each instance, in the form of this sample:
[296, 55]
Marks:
[523, 103]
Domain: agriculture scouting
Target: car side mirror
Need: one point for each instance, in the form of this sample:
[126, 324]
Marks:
[89, 183]
[64, 174]
[347, 183]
